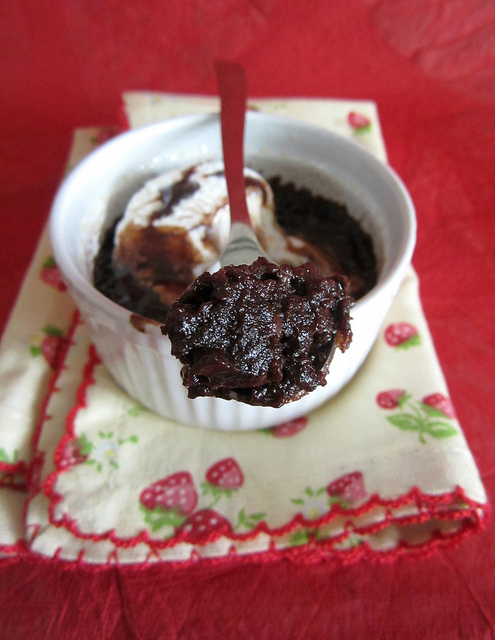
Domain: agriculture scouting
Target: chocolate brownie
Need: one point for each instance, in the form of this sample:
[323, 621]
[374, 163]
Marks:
[261, 334]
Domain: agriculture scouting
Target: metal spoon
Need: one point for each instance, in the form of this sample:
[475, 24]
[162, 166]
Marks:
[242, 245]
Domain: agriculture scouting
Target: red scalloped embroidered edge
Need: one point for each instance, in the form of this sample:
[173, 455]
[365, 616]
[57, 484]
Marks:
[34, 464]
[16, 467]
[8, 480]
[474, 516]
[7, 470]
[20, 549]
[13, 551]
[300, 555]
[52, 386]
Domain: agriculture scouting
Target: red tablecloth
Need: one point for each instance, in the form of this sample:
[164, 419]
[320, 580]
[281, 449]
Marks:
[430, 68]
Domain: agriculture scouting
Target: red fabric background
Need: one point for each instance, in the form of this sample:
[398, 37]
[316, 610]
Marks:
[430, 68]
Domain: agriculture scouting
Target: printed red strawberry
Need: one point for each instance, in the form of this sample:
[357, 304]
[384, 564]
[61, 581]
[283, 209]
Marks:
[425, 417]
[53, 346]
[222, 479]
[391, 399]
[50, 274]
[358, 121]
[75, 452]
[203, 526]
[441, 403]
[347, 488]
[402, 335]
[291, 428]
[169, 501]
[176, 491]
[225, 474]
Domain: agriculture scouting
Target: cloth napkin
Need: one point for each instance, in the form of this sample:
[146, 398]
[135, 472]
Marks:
[91, 477]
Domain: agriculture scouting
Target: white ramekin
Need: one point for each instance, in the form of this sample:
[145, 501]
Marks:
[137, 355]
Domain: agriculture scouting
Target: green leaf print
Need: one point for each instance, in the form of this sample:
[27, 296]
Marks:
[413, 341]
[299, 537]
[416, 416]
[248, 521]
[104, 451]
[441, 430]
[217, 493]
[85, 446]
[52, 330]
[136, 410]
[4, 456]
[49, 262]
[159, 517]
[405, 421]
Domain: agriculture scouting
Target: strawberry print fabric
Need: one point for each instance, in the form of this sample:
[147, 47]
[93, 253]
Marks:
[383, 469]
[33, 346]
[30, 351]
[121, 483]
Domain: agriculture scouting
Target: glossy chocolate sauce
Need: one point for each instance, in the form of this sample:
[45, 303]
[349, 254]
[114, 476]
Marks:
[171, 196]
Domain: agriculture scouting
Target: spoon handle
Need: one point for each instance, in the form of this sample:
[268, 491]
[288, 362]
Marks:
[233, 94]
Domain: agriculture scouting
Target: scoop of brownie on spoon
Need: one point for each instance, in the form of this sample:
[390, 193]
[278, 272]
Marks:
[255, 331]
